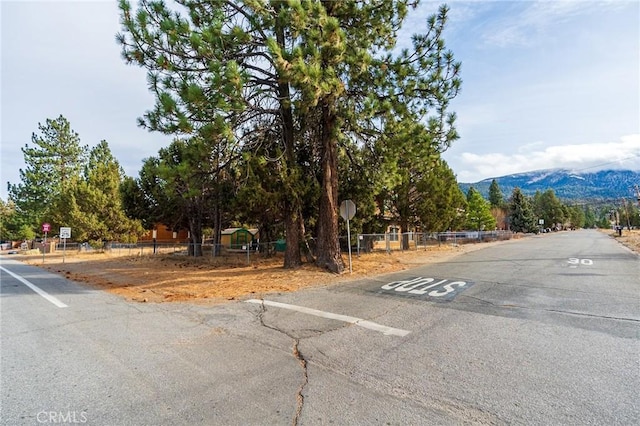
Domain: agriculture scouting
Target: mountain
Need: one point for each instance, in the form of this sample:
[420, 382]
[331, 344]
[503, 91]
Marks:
[567, 184]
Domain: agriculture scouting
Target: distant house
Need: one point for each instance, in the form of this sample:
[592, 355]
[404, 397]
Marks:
[164, 234]
[236, 238]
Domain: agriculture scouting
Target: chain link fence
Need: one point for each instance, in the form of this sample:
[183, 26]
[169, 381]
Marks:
[360, 243]
[389, 242]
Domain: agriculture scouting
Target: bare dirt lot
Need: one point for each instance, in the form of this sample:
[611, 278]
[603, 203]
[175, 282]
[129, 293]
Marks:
[174, 277]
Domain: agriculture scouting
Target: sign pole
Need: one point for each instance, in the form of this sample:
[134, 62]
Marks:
[155, 234]
[46, 227]
[65, 233]
[349, 243]
[44, 246]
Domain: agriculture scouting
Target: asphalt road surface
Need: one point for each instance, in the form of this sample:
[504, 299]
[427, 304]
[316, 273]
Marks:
[541, 330]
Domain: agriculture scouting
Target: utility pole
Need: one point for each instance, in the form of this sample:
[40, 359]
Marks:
[626, 212]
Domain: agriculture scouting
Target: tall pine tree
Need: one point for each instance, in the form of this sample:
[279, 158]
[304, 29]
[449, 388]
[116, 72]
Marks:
[521, 216]
[478, 212]
[54, 161]
[321, 67]
[496, 199]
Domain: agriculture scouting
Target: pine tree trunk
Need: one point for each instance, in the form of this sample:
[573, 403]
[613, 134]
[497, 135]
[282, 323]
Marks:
[304, 246]
[195, 229]
[195, 242]
[217, 228]
[404, 237]
[292, 258]
[328, 248]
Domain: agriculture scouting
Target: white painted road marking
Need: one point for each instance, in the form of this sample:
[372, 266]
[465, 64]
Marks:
[387, 331]
[37, 289]
[446, 290]
[574, 262]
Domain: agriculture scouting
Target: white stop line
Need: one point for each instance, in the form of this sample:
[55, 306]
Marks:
[387, 331]
[37, 289]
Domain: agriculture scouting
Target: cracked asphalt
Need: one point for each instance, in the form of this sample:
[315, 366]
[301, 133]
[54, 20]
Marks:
[549, 333]
[297, 355]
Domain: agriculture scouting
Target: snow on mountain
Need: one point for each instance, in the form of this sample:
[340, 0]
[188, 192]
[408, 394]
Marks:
[567, 184]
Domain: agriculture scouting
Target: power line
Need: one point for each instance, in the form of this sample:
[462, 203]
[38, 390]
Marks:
[607, 163]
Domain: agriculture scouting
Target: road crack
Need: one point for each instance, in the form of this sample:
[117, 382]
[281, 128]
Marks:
[305, 381]
[299, 357]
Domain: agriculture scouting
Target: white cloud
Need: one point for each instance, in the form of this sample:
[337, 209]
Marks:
[62, 58]
[578, 83]
[524, 27]
[623, 154]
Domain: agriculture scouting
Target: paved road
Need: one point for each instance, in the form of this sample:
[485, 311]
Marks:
[542, 330]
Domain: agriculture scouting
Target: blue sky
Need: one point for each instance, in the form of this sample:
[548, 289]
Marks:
[546, 84]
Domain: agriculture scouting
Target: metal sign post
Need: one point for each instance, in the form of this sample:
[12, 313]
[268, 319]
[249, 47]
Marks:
[155, 235]
[64, 234]
[45, 228]
[348, 211]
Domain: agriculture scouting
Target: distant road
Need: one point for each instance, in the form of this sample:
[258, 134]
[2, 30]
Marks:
[542, 330]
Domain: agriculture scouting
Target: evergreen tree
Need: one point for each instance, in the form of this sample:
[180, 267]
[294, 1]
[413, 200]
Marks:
[589, 217]
[498, 205]
[53, 162]
[410, 160]
[213, 73]
[191, 187]
[259, 196]
[604, 222]
[144, 198]
[103, 176]
[183, 187]
[66, 185]
[576, 216]
[521, 216]
[12, 226]
[478, 212]
[441, 201]
[629, 214]
[91, 204]
[321, 68]
[549, 208]
[496, 199]
[351, 90]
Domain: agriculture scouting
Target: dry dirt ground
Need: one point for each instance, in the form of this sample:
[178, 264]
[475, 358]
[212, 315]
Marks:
[173, 277]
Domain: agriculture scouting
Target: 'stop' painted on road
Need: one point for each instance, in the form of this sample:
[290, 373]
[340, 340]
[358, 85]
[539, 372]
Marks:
[426, 288]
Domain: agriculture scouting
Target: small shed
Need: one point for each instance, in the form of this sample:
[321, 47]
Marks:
[236, 238]
[164, 234]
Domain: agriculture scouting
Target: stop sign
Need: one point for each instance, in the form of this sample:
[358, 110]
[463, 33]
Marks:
[347, 209]
[46, 227]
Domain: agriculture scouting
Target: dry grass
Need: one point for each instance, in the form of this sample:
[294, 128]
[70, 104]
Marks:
[170, 277]
[630, 239]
